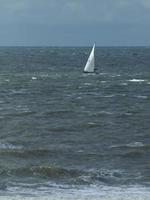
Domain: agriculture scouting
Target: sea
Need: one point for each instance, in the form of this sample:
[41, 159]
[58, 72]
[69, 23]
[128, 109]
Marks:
[69, 135]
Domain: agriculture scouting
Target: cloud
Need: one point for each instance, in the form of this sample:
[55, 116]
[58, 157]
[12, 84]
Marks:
[145, 3]
[56, 12]
[73, 20]
[11, 6]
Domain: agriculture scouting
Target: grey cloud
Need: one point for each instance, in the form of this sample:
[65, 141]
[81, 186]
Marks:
[72, 22]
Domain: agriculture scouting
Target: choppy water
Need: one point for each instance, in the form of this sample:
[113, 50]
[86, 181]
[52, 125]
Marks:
[66, 134]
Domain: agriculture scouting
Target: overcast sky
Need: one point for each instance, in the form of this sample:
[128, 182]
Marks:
[74, 22]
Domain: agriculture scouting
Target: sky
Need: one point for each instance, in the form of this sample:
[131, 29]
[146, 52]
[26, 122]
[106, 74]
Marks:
[74, 22]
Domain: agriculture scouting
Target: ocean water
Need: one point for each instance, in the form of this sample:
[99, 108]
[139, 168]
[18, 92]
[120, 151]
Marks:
[69, 135]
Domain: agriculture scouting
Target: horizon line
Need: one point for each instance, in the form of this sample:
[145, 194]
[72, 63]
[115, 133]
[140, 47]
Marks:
[73, 46]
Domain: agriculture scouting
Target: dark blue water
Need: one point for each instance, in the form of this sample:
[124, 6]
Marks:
[61, 128]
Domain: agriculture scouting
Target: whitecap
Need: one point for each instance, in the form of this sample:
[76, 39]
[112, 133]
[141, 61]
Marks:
[124, 84]
[89, 74]
[87, 84]
[131, 145]
[141, 97]
[109, 96]
[34, 78]
[115, 75]
[80, 151]
[136, 80]
[79, 97]
[21, 91]
[128, 113]
[135, 144]
[7, 146]
[91, 123]
[93, 192]
[104, 112]
[44, 75]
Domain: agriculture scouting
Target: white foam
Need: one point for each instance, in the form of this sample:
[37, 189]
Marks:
[21, 91]
[7, 146]
[34, 78]
[88, 193]
[137, 80]
[124, 84]
[106, 112]
[7, 80]
[109, 96]
[135, 144]
[87, 83]
[131, 145]
[115, 75]
[141, 97]
[114, 95]
[44, 75]
[79, 97]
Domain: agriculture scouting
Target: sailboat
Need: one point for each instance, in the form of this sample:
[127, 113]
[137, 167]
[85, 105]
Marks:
[90, 65]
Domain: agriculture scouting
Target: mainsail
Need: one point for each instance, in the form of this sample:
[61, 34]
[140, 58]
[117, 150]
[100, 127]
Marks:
[90, 65]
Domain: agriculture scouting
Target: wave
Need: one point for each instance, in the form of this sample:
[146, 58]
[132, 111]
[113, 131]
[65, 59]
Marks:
[124, 83]
[58, 112]
[135, 150]
[86, 193]
[101, 176]
[74, 177]
[137, 80]
[20, 113]
[103, 112]
[8, 146]
[52, 172]
[88, 84]
[25, 153]
[135, 144]
[141, 97]
[19, 91]
[131, 145]
[34, 77]
[114, 95]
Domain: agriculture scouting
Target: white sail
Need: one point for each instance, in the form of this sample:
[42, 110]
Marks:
[90, 65]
